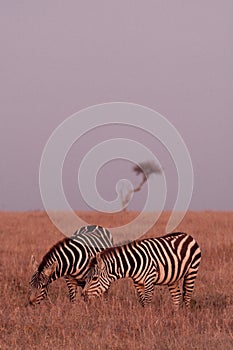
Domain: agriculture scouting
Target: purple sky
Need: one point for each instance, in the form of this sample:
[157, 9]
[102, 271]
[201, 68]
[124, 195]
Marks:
[59, 57]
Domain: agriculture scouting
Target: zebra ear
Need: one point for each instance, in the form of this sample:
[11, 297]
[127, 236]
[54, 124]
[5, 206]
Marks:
[90, 256]
[99, 260]
[92, 261]
[49, 270]
[34, 263]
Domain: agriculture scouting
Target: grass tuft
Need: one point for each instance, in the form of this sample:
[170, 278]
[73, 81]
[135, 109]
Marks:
[120, 322]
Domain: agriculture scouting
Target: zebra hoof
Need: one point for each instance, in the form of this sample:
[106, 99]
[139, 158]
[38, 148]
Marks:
[85, 298]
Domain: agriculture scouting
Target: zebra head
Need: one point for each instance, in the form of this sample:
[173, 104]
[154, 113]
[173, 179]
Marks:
[97, 280]
[38, 286]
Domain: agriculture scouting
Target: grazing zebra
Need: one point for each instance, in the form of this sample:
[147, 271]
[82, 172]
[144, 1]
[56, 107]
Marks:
[68, 258]
[148, 262]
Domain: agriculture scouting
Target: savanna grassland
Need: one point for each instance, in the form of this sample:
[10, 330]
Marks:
[120, 322]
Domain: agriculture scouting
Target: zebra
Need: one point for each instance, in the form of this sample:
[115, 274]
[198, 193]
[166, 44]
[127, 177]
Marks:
[148, 262]
[69, 258]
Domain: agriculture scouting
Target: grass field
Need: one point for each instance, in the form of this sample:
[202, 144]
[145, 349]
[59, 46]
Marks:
[120, 322]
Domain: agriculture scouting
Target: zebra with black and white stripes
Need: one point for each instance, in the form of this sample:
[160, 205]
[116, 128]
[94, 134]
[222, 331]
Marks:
[148, 262]
[69, 258]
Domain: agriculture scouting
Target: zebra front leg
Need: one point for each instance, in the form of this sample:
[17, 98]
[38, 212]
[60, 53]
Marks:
[175, 292]
[148, 290]
[72, 287]
[105, 295]
[140, 288]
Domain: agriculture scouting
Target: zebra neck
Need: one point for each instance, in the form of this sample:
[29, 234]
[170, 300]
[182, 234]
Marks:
[121, 261]
[47, 263]
[119, 270]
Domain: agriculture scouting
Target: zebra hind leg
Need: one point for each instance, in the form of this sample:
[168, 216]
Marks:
[190, 277]
[188, 286]
[175, 292]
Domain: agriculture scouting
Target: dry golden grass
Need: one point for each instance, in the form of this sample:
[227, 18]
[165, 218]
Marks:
[119, 323]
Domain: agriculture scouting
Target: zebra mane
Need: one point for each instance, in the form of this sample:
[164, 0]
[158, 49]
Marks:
[107, 252]
[48, 258]
[173, 234]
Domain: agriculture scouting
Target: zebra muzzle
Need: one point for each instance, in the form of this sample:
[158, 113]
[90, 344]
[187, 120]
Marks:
[31, 301]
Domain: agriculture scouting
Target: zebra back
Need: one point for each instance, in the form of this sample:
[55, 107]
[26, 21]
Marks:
[163, 261]
[94, 236]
